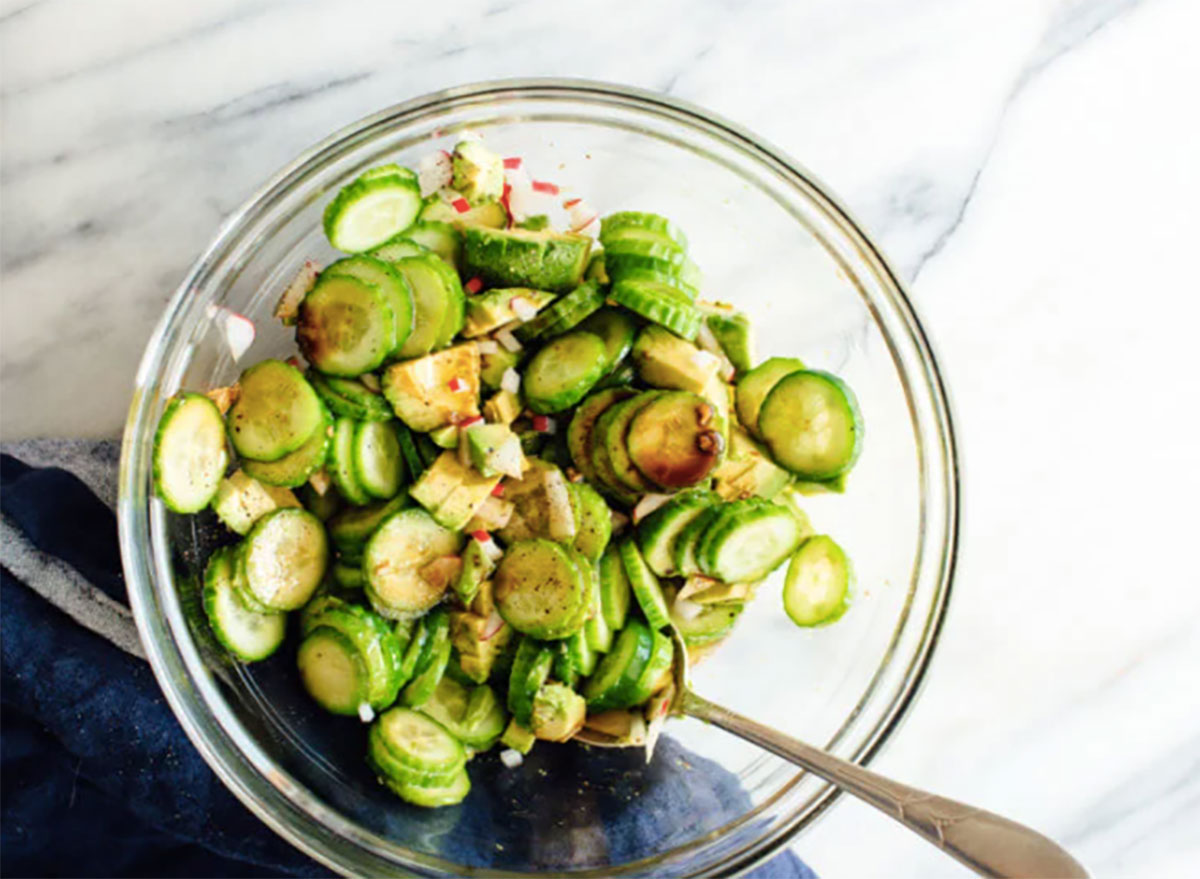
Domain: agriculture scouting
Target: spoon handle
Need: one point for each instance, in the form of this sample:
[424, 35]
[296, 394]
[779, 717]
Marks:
[988, 844]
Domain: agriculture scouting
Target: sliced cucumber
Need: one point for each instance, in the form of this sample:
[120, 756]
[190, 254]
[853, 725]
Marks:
[346, 326]
[242, 500]
[394, 556]
[634, 224]
[580, 431]
[657, 532]
[645, 585]
[811, 423]
[564, 314]
[628, 265]
[596, 630]
[615, 682]
[350, 529]
[378, 464]
[451, 793]
[615, 594]
[348, 576]
[414, 463]
[248, 635]
[349, 398]
[651, 246]
[276, 413]
[398, 248]
[610, 449]
[753, 387]
[441, 239]
[684, 553]
[393, 772]
[544, 260]
[294, 468]
[419, 744]
[473, 715]
[438, 301]
[372, 209]
[660, 303]
[189, 453]
[530, 669]
[389, 282]
[595, 268]
[673, 440]
[284, 558]
[563, 371]
[341, 463]
[425, 682]
[375, 643]
[816, 590]
[711, 624]
[575, 660]
[752, 539]
[617, 329]
[332, 671]
[593, 528]
[540, 590]
[657, 674]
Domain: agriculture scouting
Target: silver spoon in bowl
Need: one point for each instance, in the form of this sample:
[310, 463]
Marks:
[987, 843]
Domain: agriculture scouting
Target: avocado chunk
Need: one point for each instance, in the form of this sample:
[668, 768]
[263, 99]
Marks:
[478, 173]
[445, 437]
[451, 492]
[493, 366]
[518, 738]
[544, 260]
[748, 471]
[731, 329]
[477, 566]
[480, 641]
[558, 712]
[495, 450]
[503, 408]
[667, 361]
[242, 500]
[493, 309]
[432, 391]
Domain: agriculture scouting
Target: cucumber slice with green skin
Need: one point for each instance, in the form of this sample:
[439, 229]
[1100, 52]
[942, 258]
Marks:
[746, 546]
[392, 772]
[294, 468]
[728, 512]
[621, 377]
[626, 265]
[277, 412]
[615, 594]
[733, 333]
[614, 683]
[543, 260]
[422, 686]
[530, 669]
[593, 528]
[451, 793]
[628, 242]
[284, 558]
[391, 283]
[657, 673]
[248, 635]
[441, 239]
[348, 576]
[372, 209]
[436, 625]
[493, 366]
[471, 713]
[241, 585]
[684, 553]
[659, 303]
[346, 326]
[595, 268]
[398, 248]
[812, 424]
[540, 590]
[563, 371]
[617, 329]
[378, 464]
[711, 624]
[368, 406]
[580, 654]
[565, 667]
[645, 585]
[596, 630]
[657, 533]
[332, 671]
[612, 433]
[652, 226]
[753, 387]
[438, 302]
[341, 463]
[403, 544]
[375, 643]
[564, 314]
[816, 589]
[418, 647]
[674, 441]
[427, 449]
[419, 743]
[189, 456]
[414, 462]
[350, 529]
[580, 433]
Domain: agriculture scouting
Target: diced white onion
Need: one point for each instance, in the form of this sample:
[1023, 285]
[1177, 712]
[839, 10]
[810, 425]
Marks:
[505, 337]
[488, 346]
[365, 712]
[523, 201]
[523, 309]
[510, 381]
[687, 610]
[509, 459]
[511, 758]
[491, 548]
[434, 172]
[321, 481]
[706, 360]
[647, 505]
[559, 515]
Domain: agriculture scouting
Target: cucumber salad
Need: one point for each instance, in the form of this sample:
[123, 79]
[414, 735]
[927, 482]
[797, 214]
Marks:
[507, 459]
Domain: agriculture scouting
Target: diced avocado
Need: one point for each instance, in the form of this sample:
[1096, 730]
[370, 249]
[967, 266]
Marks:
[492, 515]
[503, 408]
[451, 492]
[837, 485]
[493, 366]
[437, 209]
[477, 653]
[493, 309]
[428, 392]
[495, 450]
[437, 482]
[731, 329]
[667, 361]
[518, 738]
[242, 500]
[485, 599]
[460, 507]
[478, 172]
[747, 470]
[558, 712]
[445, 437]
[477, 567]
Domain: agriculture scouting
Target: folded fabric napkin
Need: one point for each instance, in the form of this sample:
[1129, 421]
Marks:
[99, 778]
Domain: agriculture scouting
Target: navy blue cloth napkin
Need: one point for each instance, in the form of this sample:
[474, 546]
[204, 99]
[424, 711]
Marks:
[99, 778]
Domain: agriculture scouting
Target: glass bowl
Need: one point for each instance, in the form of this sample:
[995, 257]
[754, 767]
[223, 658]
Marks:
[770, 239]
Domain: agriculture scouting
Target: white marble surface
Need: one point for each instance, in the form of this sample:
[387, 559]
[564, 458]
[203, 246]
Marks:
[1030, 166]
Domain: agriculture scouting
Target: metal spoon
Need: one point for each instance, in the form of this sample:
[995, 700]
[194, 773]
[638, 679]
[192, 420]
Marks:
[985, 842]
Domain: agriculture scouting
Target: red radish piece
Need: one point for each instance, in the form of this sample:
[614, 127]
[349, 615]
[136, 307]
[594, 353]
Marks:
[571, 202]
[481, 535]
[474, 285]
[237, 329]
[293, 362]
[492, 627]
[434, 172]
[514, 162]
[498, 490]
[461, 205]
[544, 187]
[492, 550]
[458, 385]
[543, 424]
[468, 422]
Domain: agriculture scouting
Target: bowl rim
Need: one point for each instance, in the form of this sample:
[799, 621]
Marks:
[140, 573]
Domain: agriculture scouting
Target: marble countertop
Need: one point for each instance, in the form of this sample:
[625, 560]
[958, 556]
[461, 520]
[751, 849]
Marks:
[1029, 166]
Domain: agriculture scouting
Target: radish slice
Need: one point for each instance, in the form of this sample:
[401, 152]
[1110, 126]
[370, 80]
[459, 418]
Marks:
[481, 535]
[492, 550]
[498, 491]
[559, 515]
[474, 285]
[523, 309]
[237, 329]
[458, 385]
[494, 624]
[519, 198]
[365, 712]
[461, 205]
[657, 711]
[647, 505]
[510, 380]
[508, 340]
[512, 163]
[581, 216]
[509, 757]
[288, 306]
[544, 424]
[571, 202]
[544, 187]
[488, 346]
[492, 514]
[468, 422]
[434, 172]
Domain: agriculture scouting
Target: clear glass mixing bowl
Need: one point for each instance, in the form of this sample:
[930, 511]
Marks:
[768, 238]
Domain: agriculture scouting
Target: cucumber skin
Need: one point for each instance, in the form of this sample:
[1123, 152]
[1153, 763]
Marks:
[653, 301]
[397, 757]
[580, 430]
[346, 645]
[507, 584]
[359, 188]
[709, 548]
[160, 436]
[236, 412]
[613, 429]
[685, 542]
[392, 284]
[505, 259]
[617, 329]
[531, 667]
[594, 528]
[663, 525]
[420, 688]
[341, 457]
[655, 223]
[343, 406]
[856, 427]
[790, 583]
[564, 314]
[619, 693]
[548, 400]
[645, 585]
[615, 592]
[375, 644]
[223, 558]
[312, 336]
[753, 388]
[294, 468]
[450, 794]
